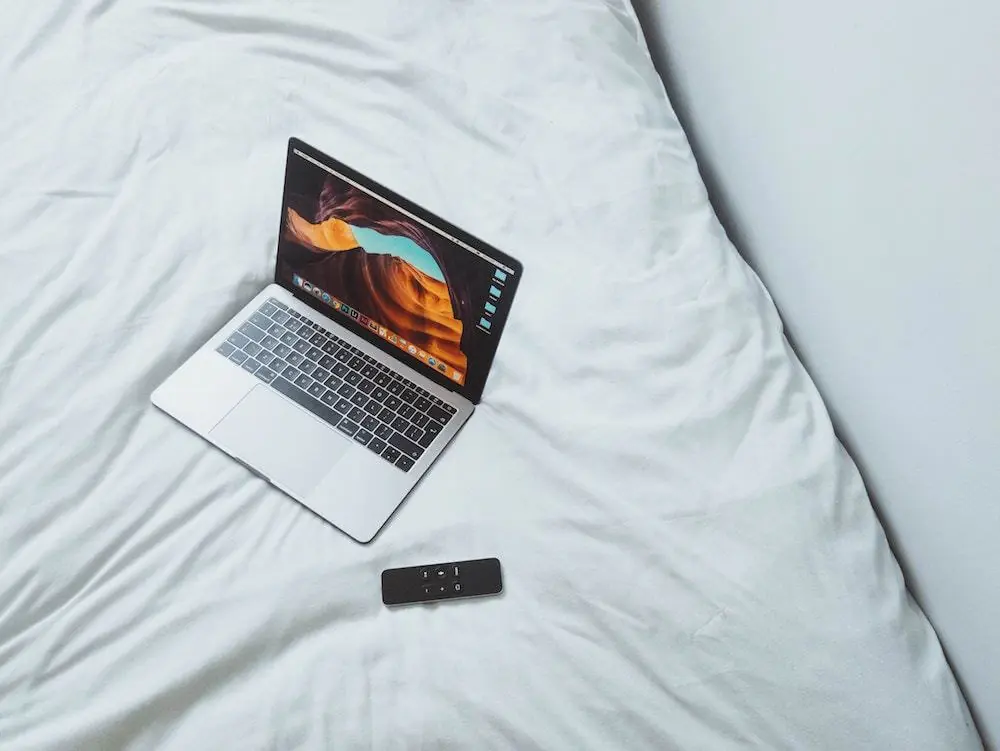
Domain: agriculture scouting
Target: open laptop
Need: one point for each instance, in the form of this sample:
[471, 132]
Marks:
[343, 381]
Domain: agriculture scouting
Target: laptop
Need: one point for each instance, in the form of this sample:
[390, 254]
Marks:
[342, 382]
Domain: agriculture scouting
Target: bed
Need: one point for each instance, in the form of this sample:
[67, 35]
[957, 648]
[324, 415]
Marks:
[690, 557]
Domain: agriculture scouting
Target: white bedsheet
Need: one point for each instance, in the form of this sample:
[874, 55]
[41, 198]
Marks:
[690, 558]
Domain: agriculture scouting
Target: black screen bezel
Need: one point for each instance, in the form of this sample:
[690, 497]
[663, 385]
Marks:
[472, 389]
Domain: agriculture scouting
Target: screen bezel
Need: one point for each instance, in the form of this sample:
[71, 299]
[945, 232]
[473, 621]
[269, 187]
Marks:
[472, 389]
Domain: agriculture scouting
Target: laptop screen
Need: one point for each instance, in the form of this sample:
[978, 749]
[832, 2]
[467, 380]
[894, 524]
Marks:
[382, 266]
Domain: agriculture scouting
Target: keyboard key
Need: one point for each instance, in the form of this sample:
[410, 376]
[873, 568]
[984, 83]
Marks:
[288, 338]
[449, 409]
[422, 404]
[317, 339]
[304, 400]
[268, 309]
[307, 367]
[303, 381]
[382, 379]
[356, 414]
[390, 453]
[237, 339]
[277, 304]
[343, 406]
[383, 431]
[353, 378]
[294, 358]
[329, 397]
[409, 396]
[316, 389]
[356, 363]
[431, 431]
[386, 415]
[261, 320]
[281, 316]
[249, 365]
[333, 383]
[327, 362]
[252, 349]
[225, 349]
[301, 346]
[290, 373]
[282, 350]
[370, 423]
[395, 387]
[377, 445]
[402, 425]
[435, 400]
[372, 407]
[406, 411]
[340, 370]
[363, 436]
[304, 330]
[366, 387]
[405, 463]
[251, 332]
[439, 414]
[238, 357]
[347, 427]
[406, 446]
[359, 399]
[413, 433]
[420, 419]
[368, 371]
[346, 391]
[268, 342]
[320, 375]
[393, 402]
[342, 356]
[330, 348]
[265, 374]
[379, 393]
[315, 353]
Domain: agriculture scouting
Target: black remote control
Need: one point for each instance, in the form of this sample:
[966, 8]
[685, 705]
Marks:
[442, 581]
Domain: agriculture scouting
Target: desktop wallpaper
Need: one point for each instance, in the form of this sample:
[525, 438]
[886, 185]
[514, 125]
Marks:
[386, 265]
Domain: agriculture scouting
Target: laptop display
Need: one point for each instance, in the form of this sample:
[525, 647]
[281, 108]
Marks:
[376, 263]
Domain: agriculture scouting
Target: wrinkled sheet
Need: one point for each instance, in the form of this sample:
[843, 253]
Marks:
[691, 560]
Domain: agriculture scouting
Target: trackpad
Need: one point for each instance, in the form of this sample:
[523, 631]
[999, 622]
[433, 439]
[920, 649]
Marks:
[281, 441]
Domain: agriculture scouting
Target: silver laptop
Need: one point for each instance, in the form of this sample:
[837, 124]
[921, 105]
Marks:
[343, 381]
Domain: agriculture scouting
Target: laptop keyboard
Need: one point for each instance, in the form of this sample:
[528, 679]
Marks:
[362, 398]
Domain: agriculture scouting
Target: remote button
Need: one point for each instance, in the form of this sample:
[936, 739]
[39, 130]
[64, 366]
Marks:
[440, 572]
[456, 587]
[425, 574]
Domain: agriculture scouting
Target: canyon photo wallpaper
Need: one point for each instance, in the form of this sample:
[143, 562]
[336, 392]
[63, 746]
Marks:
[384, 264]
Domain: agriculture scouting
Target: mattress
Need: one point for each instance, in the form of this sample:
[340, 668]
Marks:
[690, 557]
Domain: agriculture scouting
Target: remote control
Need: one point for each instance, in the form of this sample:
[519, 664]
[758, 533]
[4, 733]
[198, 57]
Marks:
[442, 581]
